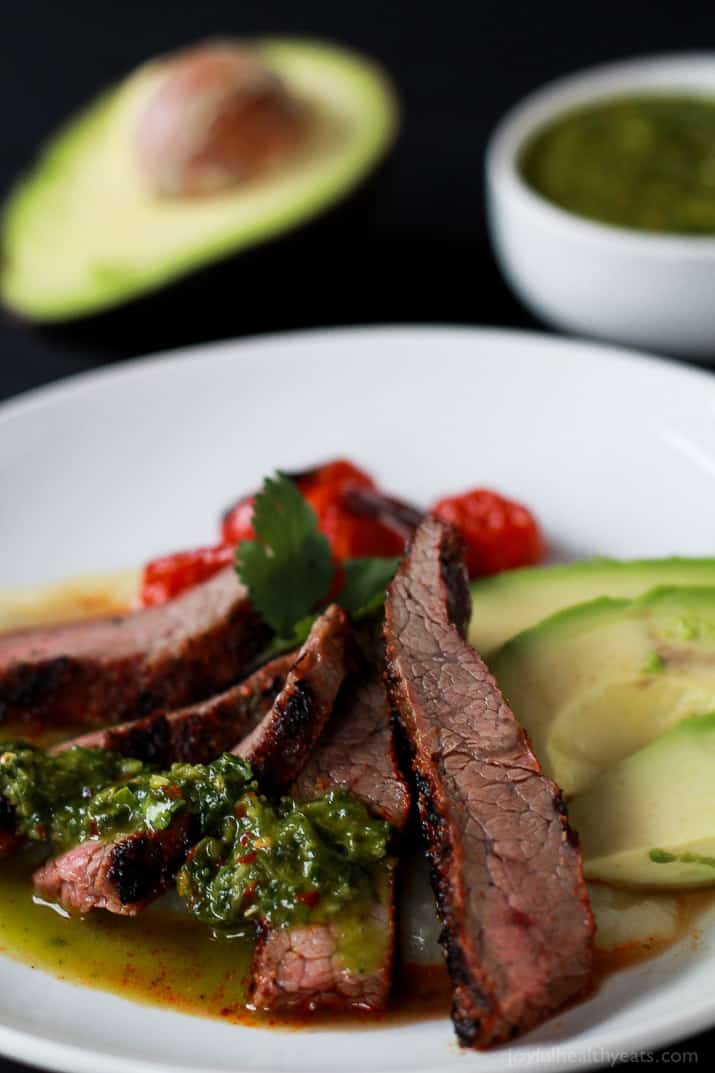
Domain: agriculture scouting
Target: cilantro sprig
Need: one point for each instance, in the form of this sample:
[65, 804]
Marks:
[289, 569]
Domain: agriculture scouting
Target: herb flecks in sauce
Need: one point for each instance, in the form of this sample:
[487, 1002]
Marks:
[286, 864]
[152, 799]
[51, 796]
[644, 162]
[92, 793]
[277, 864]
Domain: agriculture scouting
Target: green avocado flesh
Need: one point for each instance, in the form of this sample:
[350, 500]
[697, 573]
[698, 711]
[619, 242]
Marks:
[594, 683]
[508, 603]
[81, 233]
[650, 819]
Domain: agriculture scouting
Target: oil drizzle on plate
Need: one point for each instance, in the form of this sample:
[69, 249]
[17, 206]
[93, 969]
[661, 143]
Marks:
[167, 959]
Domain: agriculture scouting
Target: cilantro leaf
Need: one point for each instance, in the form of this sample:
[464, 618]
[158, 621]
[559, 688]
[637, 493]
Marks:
[365, 583]
[289, 568]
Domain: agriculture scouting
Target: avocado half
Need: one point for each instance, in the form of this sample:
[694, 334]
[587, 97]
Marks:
[81, 233]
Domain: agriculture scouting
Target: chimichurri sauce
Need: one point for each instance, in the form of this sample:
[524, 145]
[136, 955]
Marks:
[643, 162]
[165, 958]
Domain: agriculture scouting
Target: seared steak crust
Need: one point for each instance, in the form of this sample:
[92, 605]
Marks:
[506, 869]
[113, 669]
[199, 733]
[282, 742]
[357, 753]
[124, 875]
[300, 969]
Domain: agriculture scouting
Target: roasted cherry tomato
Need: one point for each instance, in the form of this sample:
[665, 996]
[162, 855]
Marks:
[351, 535]
[237, 524]
[168, 576]
[498, 534]
[340, 473]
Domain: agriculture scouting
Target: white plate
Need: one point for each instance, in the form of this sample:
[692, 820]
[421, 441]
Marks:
[616, 453]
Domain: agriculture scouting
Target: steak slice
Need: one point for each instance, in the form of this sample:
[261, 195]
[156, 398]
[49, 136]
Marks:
[300, 969]
[122, 877]
[199, 733]
[112, 669]
[125, 874]
[506, 868]
[194, 735]
[357, 752]
[282, 742]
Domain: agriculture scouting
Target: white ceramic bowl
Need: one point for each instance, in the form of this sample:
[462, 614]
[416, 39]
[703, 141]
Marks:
[640, 288]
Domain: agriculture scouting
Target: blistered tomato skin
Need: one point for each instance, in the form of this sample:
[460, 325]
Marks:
[166, 577]
[237, 524]
[350, 534]
[340, 473]
[498, 533]
[318, 485]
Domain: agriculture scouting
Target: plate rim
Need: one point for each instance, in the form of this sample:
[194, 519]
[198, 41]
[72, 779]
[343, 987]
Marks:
[26, 1046]
[55, 390]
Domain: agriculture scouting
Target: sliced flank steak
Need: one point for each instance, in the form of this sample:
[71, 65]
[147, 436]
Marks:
[506, 868]
[300, 969]
[194, 735]
[199, 733]
[113, 669]
[280, 745]
[125, 874]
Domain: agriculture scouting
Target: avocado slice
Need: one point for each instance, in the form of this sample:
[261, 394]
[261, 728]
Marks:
[596, 682]
[507, 603]
[650, 820]
[82, 233]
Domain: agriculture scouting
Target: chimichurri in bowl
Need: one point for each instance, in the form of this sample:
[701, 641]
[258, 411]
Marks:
[601, 202]
[644, 162]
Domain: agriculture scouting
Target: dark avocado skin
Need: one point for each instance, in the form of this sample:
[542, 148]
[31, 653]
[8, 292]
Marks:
[250, 292]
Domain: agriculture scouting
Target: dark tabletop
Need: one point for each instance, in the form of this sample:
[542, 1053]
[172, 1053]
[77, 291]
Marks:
[413, 247]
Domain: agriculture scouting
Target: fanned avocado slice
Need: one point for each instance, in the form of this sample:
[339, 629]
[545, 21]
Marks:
[515, 600]
[83, 233]
[598, 681]
[649, 821]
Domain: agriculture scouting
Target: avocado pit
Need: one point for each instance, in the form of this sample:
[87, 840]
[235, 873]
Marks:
[220, 117]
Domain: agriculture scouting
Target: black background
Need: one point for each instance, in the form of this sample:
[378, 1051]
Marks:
[413, 248]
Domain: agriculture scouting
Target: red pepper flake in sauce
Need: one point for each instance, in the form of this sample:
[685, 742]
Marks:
[309, 898]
